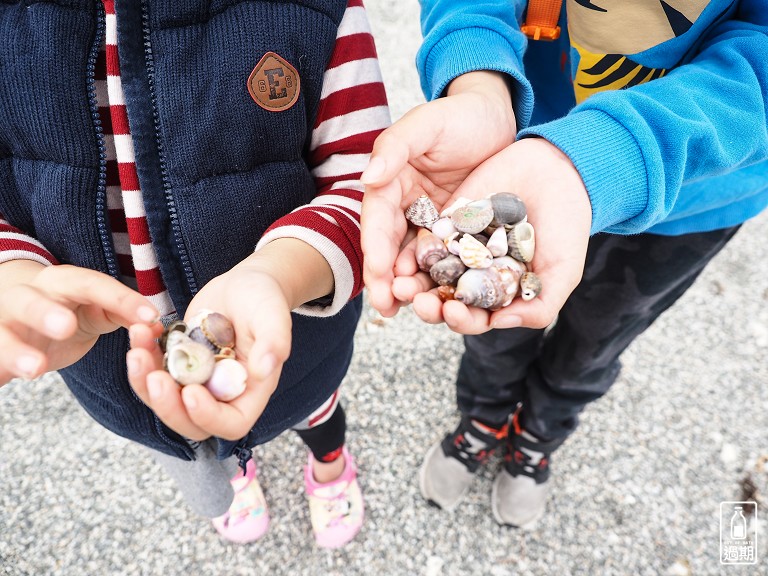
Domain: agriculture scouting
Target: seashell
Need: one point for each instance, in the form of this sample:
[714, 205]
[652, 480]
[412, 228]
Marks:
[197, 335]
[212, 326]
[177, 326]
[473, 253]
[187, 361]
[443, 227]
[224, 353]
[508, 208]
[447, 270]
[459, 203]
[429, 249]
[218, 329]
[509, 263]
[521, 242]
[227, 381]
[446, 293]
[485, 288]
[530, 286]
[422, 212]
[511, 283]
[473, 218]
[497, 243]
[452, 243]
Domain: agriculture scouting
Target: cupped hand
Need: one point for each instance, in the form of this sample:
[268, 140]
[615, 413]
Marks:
[52, 316]
[256, 304]
[560, 211]
[430, 150]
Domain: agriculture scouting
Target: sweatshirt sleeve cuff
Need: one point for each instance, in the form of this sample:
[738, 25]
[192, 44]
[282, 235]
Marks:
[456, 54]
[610, 163]
[342, 271]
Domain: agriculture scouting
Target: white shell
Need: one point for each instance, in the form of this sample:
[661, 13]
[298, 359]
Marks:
[461, 201]
[522, 241]
[451, 242]
[509, 263]
[497, 243]
[443, 227]
[228, 380]
[473, 253]
[187, 361]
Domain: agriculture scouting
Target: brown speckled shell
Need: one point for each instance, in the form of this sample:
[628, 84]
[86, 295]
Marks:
[447, 270]
[422, 212]
[530, 286]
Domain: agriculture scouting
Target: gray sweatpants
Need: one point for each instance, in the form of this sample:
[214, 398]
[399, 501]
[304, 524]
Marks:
[205, 481]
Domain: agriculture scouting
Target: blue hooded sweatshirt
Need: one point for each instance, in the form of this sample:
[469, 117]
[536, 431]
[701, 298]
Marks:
[661, 105]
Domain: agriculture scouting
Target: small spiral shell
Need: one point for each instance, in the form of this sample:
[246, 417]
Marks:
[429, 249]
[485, 288]
[187, 361]
[530, 286]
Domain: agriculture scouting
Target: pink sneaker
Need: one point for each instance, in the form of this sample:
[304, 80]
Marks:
[247, 519]
[336, 508]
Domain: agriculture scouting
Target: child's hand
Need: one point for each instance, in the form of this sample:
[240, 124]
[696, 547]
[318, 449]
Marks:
[50, 317]
[257, 295]
[559, 209]
[430, 150]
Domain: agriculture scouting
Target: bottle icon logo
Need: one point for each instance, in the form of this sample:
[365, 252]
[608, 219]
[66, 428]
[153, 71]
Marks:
[738, 524]
[739, 532]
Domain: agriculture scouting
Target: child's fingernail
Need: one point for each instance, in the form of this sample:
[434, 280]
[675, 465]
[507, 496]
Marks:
[266, 366]
[147, 314]
[133, 367]
[507, 322]
[56, 323]
[27, 365]
[190, 402]
[154, 387]
[373, 171]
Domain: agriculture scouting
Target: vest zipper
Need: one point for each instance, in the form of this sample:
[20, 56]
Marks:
[101, 190]
[149, 59]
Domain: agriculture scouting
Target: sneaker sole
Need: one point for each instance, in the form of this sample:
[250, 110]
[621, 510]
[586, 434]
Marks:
[526, 526]
[423, 482]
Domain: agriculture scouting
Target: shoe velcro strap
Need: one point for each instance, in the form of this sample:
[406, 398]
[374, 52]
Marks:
[519, 441]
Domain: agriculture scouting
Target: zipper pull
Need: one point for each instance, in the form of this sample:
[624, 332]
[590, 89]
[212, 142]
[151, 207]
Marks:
[243, 456]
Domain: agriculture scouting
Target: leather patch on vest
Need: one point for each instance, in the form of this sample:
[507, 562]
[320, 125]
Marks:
[274, 84]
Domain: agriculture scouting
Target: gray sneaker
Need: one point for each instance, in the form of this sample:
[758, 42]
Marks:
[520, 489]
[450, 465]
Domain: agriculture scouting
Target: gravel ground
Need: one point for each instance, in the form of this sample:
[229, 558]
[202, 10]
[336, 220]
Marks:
[635, 491]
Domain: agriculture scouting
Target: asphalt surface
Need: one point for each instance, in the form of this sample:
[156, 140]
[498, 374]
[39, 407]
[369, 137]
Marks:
[636, 490]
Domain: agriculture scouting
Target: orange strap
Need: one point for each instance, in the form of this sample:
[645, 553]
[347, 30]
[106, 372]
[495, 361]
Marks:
[541, 20]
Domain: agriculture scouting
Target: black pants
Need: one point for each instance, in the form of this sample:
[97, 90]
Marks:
[628, 282]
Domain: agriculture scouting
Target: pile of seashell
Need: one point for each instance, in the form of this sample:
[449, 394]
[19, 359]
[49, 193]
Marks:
[477, 251]
[201, 351]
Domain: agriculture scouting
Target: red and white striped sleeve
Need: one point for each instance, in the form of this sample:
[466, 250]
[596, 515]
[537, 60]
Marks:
[353, 111]
[16, 245]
